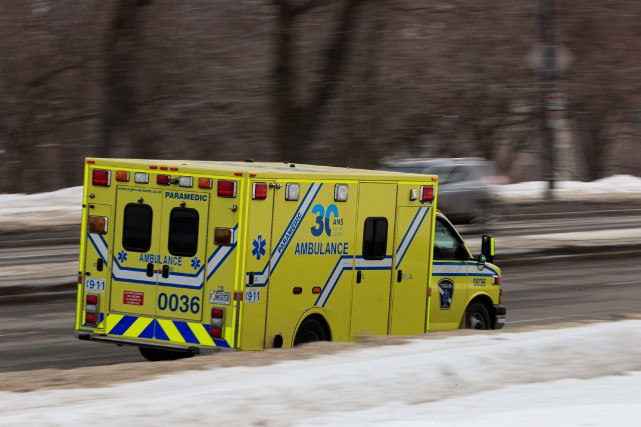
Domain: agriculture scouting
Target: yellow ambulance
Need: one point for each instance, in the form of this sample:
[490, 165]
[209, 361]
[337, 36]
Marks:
[186, 257]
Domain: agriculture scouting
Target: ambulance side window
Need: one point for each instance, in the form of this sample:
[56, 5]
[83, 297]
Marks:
[375, 238]
[446, 244]
[183, 232]
[136, 229]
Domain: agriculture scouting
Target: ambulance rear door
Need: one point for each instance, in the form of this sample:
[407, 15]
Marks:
[160, 252]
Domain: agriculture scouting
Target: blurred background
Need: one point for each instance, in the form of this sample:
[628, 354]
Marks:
[546, 90]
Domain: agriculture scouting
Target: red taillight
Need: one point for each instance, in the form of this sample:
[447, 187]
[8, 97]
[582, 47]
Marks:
[163, 179]
[101, 177]
[427, 193]
[216, 329]
[226, 188]
[80, 278]
[496, 280]
[91, 309]
[259, 191]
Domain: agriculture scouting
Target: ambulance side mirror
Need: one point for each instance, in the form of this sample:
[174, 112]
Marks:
[487, 248]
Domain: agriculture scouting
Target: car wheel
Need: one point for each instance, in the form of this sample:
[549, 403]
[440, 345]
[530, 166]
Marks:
[310, 331]
[477, 317]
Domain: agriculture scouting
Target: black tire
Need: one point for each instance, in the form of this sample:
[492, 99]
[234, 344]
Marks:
[310, 330]
[477, 317]
[158, 354]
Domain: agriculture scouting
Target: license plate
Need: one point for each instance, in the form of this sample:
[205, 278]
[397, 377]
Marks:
[220, 297]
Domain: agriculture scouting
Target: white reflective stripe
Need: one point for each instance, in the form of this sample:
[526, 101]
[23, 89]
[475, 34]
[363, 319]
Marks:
[346, 264]
[183, 281]
[343, 264]
[411, 232]
[261, 278]
[293, 227]
[218, 258]
[454, 269]
[375, 264]
[100, 245]
[135, 275]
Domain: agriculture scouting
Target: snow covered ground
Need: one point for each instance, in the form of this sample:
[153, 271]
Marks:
[588, 375]
[579, 376]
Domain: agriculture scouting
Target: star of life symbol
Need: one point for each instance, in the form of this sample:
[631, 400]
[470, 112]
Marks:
[259, 247]
[195, 263]
[122, 256]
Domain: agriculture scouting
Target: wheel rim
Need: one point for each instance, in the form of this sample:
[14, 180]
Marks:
[477, 321]
[309, 336]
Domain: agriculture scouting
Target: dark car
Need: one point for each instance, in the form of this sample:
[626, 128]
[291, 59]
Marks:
[467, 186]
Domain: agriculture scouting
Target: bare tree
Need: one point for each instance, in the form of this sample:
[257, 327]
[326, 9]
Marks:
[296, 121]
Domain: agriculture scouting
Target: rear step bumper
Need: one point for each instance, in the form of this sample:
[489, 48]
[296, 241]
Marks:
[89, 336]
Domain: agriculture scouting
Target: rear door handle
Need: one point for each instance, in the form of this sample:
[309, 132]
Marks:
[165, 271]
[359, 276]
[399, 276]
[250, 281]
[150, 270]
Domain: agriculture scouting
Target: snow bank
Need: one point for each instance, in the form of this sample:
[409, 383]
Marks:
[558, 377]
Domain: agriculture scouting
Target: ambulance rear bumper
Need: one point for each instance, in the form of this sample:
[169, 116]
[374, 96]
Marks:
[501, 316]
[90, 336]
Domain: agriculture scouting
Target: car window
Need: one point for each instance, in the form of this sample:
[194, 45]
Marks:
[458, 174]
[443, 172]
[446, 243]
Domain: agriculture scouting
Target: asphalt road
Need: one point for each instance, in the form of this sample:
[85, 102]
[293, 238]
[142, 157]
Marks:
[40, 335]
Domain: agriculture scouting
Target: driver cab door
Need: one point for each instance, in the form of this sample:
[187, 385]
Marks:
[450, 281]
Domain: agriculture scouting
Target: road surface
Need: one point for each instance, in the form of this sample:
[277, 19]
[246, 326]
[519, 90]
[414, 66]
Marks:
[39, 335]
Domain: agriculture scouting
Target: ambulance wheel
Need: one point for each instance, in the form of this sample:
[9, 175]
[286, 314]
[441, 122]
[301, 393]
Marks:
[158, 354]
[310, 331]
[477, 317]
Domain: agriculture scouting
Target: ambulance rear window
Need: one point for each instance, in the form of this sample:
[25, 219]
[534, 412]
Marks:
[136, 230]
[183, 232]
[375, 238]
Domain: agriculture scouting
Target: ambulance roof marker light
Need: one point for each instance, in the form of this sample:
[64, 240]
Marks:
[427, 193]
[91, 162]
[173, 168]
[226, 188]
[101, 177]
[186, 181]
[341, 192]
[154, 167]
[122, 176]
[163, 168]
[205, 183]
[141, 178]
[163, 179]
[292, 191]
[259, 190]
